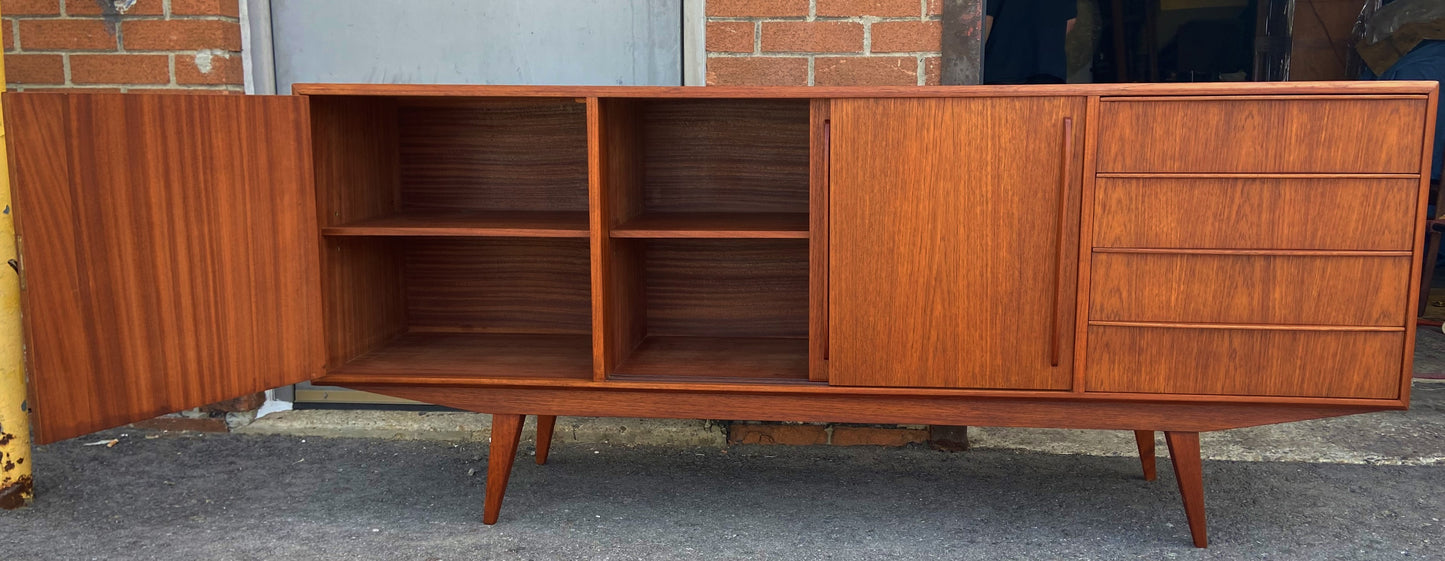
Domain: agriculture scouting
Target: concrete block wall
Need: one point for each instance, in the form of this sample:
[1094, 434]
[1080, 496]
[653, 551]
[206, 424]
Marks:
[823, 42]
[191, 46]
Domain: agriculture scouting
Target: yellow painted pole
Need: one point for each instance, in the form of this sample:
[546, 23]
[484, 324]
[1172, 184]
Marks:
[16, 485]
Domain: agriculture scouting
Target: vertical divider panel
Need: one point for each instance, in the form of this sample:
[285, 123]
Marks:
[819, 146]
[1086, 238]
[615, 196]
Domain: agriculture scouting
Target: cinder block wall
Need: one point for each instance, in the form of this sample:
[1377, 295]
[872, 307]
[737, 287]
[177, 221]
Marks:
[823, 42]
[191, 46]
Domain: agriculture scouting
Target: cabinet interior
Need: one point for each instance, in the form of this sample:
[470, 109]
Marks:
[457, 241]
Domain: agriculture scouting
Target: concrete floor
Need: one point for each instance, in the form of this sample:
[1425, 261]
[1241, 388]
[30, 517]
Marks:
[227, 496]
[1363, 487]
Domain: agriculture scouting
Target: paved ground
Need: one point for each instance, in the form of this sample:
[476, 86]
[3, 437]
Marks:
[1364, 487]
[228, 496]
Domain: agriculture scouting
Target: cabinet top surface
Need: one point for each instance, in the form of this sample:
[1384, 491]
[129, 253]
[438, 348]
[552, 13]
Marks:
[803, 92]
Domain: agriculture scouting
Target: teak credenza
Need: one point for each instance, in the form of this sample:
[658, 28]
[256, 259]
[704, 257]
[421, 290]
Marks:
[1148, 257]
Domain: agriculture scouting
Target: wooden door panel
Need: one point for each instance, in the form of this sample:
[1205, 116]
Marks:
[1323, 135]
[945, 262]
[169, 249]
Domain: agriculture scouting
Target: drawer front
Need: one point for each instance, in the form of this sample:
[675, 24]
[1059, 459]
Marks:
[1334, 134]
[1250, 289]
[1256, 213]
[1245, 362]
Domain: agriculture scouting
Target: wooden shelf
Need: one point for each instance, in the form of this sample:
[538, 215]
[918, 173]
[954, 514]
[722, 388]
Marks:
[702, 359]
[754, 225]
[520, 224]
[478, 355]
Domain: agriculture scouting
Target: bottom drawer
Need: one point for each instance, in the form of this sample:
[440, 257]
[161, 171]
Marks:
[1353, 364]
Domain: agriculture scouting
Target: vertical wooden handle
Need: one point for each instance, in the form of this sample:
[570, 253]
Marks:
[1055, 337]
[828, 270]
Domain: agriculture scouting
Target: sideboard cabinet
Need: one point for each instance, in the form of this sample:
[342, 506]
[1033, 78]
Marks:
[1178, 258]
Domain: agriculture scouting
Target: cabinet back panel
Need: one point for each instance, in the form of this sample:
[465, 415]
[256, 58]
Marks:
[725, 155]
[726, 288]
[499, 285]
[1245, 362]
[1262, 289]
[494, 155]
[1256, 213]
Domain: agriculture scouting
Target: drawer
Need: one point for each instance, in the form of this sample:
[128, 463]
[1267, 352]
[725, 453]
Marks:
[1256, 213]
[1250, 289]
[1321, 134]
[1355, 364]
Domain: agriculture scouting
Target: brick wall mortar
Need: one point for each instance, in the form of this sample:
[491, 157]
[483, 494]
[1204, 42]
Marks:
[921, 68]
[220, 42]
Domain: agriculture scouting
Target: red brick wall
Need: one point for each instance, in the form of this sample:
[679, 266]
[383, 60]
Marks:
[122, 45]
[823, 42]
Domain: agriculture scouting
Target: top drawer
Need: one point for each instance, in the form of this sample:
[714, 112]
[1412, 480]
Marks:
[1319, 134]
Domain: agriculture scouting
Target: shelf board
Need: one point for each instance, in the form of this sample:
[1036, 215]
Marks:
[517, 224]
[706, 359]
[478, 355]
[715, 225]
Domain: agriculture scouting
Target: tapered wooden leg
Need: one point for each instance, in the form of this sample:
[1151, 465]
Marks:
[1145, 438]
[506, 433]
[1184, 454]
[545, 424]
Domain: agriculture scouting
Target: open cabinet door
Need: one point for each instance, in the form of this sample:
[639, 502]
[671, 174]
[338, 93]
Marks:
[168, 252]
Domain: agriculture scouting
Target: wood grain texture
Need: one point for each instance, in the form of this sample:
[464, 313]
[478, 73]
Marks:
[506, 435]
[1189, 474]
[717, 359]
[546, 424]
[737, 225]
[480, 356]
[494, 155]
[1407, 368]
[745, 155]
[820, 150]
[726, 288]
[1391, 88]
[1250, 289]
[1277, 363]
[1328, 134]
[760, 405]
[1145, 441]
[513, 224]
[1087, 206]
[942, 245]
[512, 285]
[364, 298]
[615, 192]
[1256, 213]
[354, 152]
[151, 228]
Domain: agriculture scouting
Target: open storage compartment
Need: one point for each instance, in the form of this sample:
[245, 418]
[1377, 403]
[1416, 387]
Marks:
[708, 168]
[455, 236]
[712, 309]
[451, 166]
